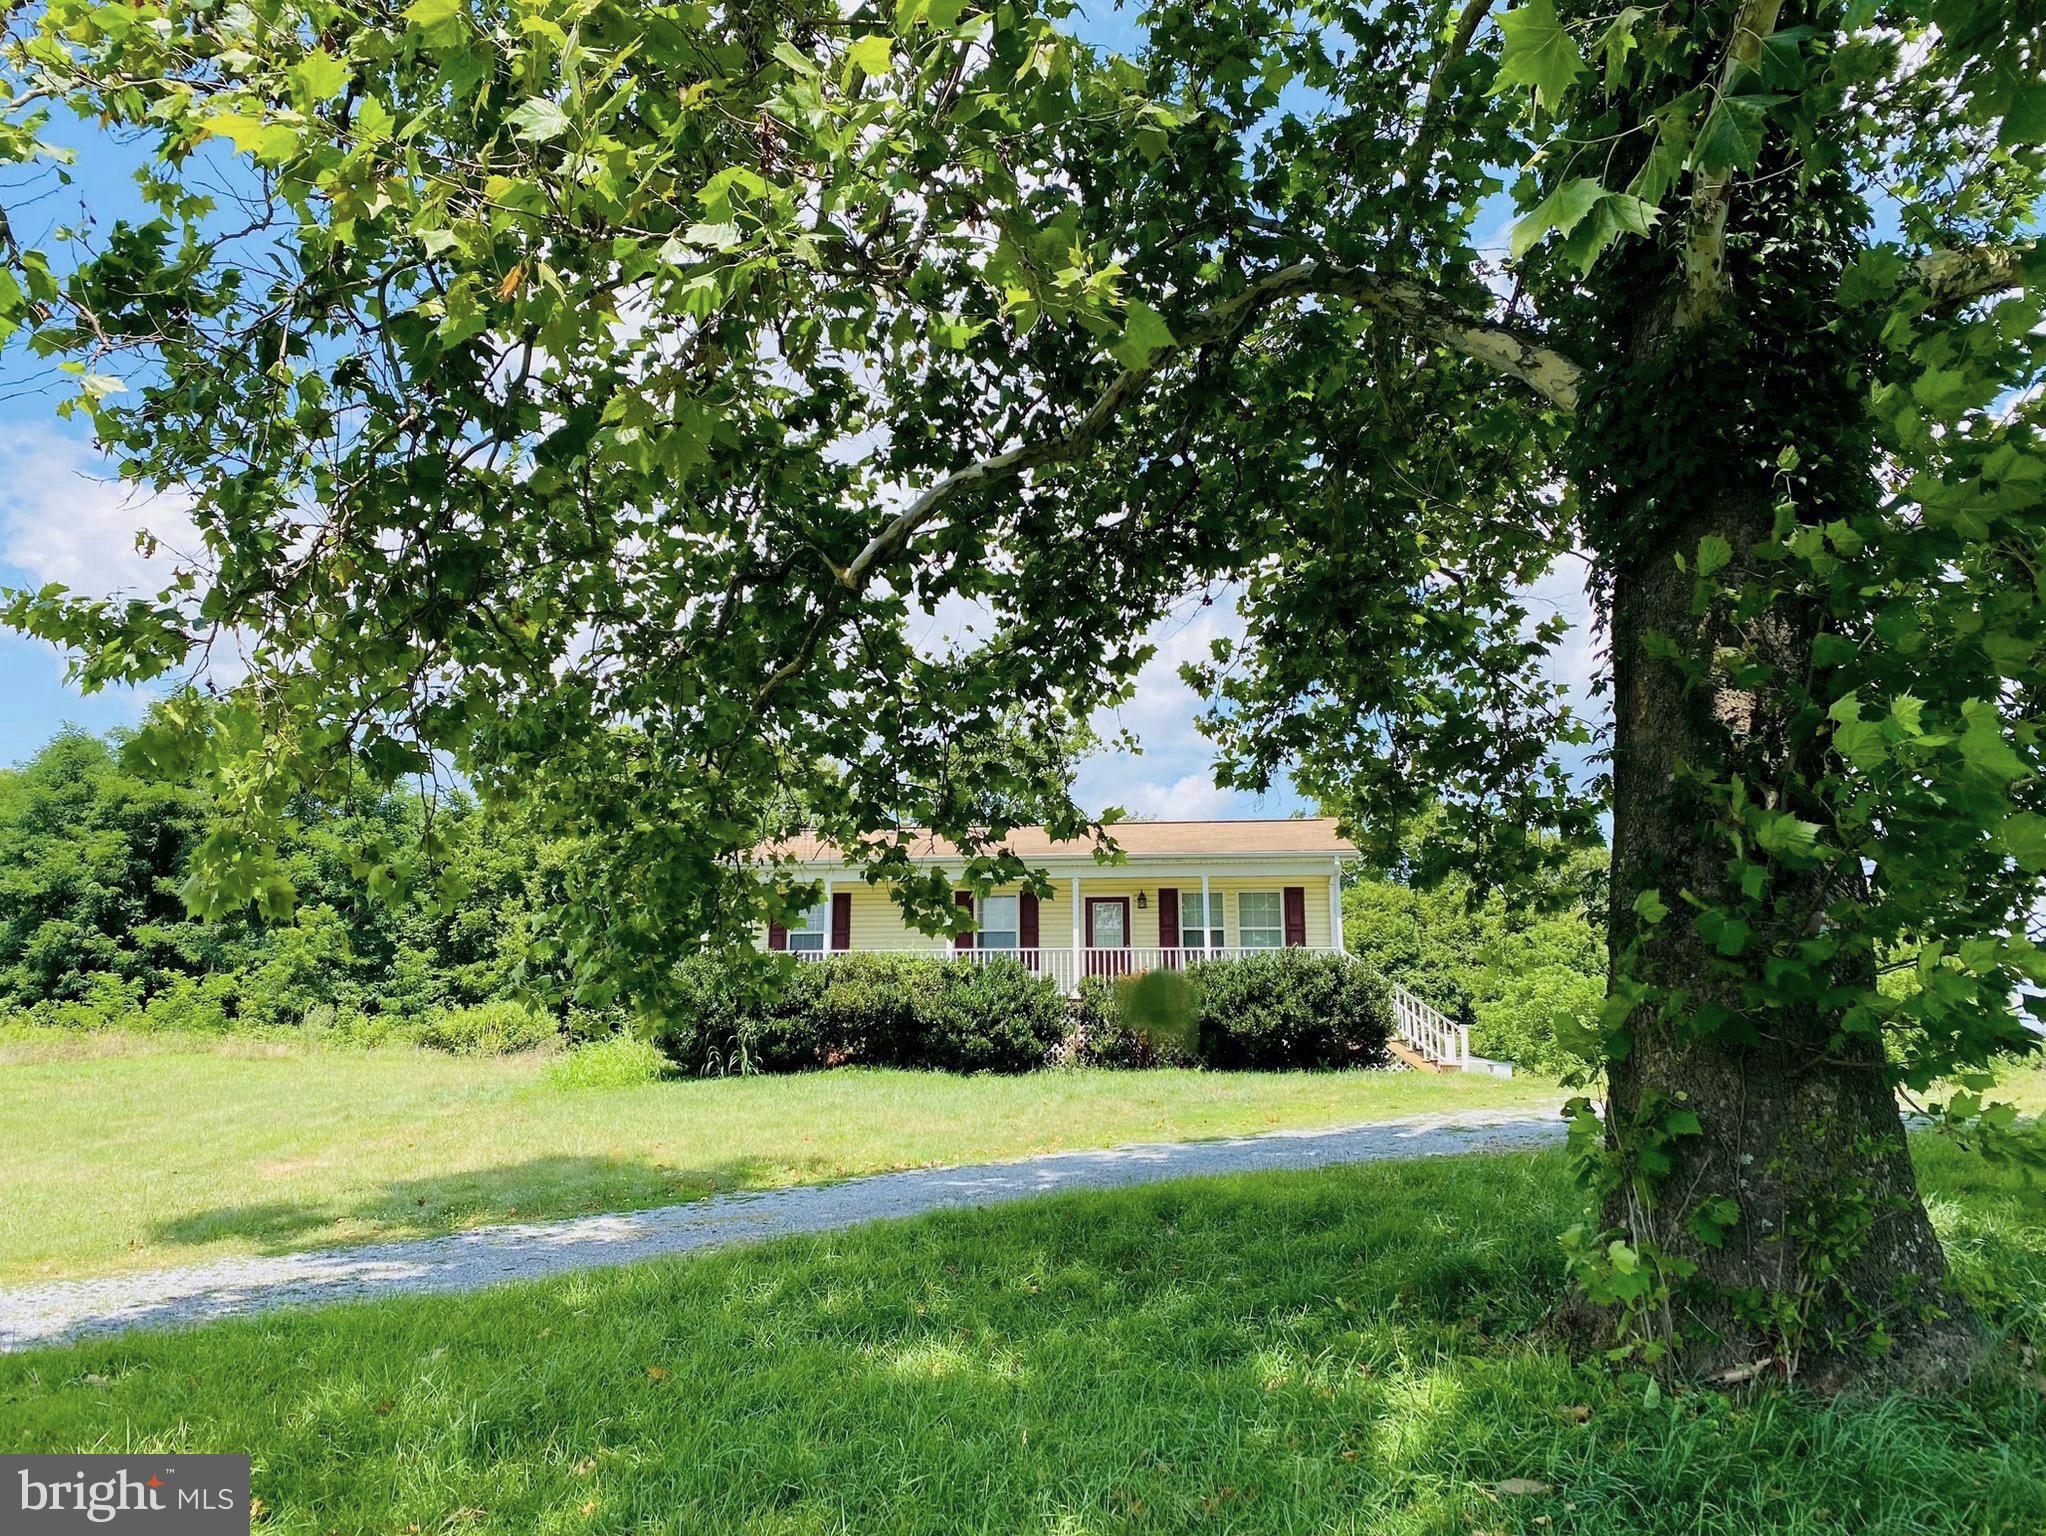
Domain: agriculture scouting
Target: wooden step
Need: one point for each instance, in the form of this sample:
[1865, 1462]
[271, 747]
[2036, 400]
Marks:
[1401, 1051]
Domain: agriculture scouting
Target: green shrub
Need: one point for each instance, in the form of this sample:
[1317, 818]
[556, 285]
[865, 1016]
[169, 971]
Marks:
[104, 1001]
[1291, 1008]
[335, 1025]
[862, 1010]
[715, 997]
[194, 1005]
[622, 1061]
[1534, 1022]
[489, 1029]
[991, 1016]
[1116, 1025]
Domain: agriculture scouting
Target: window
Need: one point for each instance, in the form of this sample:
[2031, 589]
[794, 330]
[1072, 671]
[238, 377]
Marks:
[1260, 920]
[1000, 927]
[813, 934]
[1194, 927]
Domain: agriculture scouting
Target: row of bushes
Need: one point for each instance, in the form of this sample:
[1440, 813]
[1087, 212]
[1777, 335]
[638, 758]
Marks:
[864, 1010]
[205, 1005]
[1286, 1009]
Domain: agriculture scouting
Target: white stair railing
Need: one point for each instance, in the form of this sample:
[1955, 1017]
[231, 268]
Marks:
[1429, 1030]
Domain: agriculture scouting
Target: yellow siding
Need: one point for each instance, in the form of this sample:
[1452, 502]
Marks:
[877, 922]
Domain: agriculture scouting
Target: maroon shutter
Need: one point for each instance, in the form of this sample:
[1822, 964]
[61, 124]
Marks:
[1168, 922]
[777, 936]
[841, 920]
[1026, 928]
[1296, 916]
[963, 899]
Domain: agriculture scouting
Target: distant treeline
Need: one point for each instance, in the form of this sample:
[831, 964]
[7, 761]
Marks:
[93, 927]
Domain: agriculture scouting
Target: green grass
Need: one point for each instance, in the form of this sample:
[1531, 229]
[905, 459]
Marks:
[124, 1153]
[2024, 1087]
[1348, 1351]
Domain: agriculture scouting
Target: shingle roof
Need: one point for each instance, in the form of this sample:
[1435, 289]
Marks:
[1137, 839]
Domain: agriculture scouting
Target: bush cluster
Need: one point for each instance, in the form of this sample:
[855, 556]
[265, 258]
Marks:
[864, 1010]
[1133, 1022]
[619, 1061]
[1291, 1008]
[1286, 1009]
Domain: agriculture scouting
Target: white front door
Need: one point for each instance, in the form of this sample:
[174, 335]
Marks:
[1107, 930]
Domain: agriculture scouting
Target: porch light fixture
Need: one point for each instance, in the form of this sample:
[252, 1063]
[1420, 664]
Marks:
[1141, 902]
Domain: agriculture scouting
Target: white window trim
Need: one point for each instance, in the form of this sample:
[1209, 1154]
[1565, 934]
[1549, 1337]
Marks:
[981, 931]
[1244, 930]
[816, 924]
[1196, 937]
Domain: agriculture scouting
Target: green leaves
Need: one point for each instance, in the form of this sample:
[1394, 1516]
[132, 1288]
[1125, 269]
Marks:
[872, 54]
[539, 120]
[1590, 216]
[1783, 835]
[1731, 139]
[1713, 554]
[320, 75]
[2024, 839]
[1560, 211]
[1538, 53]
[1983, 747]
[1144, 334]
[438, 18]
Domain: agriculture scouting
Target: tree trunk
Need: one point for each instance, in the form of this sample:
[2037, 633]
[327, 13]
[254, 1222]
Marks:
[1829, 1258]
[1831, 1253]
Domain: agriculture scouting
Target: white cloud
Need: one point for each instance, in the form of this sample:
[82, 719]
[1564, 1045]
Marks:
[1173, 780]
[1577, 661]
[63, 518]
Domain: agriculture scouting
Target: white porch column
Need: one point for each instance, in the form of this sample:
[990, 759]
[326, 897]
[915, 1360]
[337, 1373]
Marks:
[827, 914]
[1335, 908]
[1079, 962]
[1207, 917]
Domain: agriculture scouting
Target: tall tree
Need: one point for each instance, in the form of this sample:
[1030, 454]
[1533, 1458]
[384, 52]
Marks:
[604, 394]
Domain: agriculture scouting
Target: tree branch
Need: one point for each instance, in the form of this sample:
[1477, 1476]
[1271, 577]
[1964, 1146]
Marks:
[1494, 343]
[1705, 241]
[1953, 278]
[1502, 347]
[1418, 153]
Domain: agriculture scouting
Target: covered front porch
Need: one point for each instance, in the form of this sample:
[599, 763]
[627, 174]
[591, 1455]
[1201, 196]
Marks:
[1117, 923]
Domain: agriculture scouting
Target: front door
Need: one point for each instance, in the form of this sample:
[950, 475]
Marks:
[1108, 935]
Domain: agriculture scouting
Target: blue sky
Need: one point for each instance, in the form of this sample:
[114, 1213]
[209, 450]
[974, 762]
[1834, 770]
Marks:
[61, 520]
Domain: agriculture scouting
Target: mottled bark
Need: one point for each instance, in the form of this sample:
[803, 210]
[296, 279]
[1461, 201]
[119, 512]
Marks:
[1800, 1128]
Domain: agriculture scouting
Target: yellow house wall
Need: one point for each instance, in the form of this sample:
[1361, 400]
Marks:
[877, 922]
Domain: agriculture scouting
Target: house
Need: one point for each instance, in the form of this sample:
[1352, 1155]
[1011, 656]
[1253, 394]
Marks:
[1185, 891]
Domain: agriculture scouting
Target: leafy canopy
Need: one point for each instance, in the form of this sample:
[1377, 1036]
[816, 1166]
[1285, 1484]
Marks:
[602, 398]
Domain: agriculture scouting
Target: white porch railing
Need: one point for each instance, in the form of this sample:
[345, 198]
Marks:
[1426, 1028]
[1065, 965]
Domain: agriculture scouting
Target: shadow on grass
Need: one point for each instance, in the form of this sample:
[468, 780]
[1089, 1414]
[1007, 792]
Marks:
[541, 1188]
[1351, 1351]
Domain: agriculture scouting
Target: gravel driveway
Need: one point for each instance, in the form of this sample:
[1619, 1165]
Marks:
[52, 1312]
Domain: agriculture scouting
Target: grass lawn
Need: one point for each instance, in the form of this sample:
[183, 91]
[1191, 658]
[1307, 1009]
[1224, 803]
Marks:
[1348, 1351]
[125, 1153]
